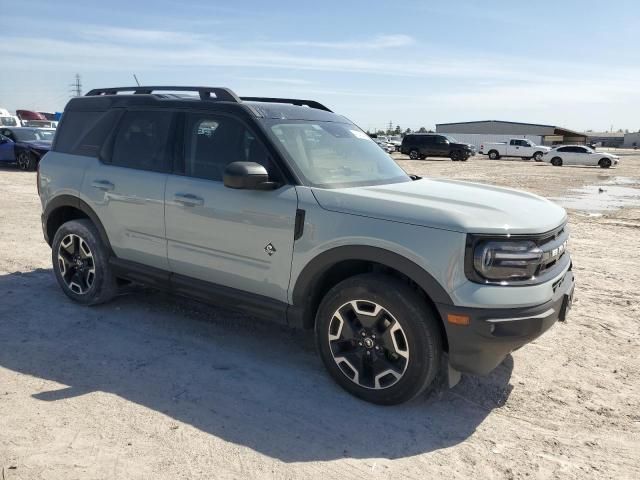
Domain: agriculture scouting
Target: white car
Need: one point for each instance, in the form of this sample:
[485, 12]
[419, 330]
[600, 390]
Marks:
[579, 155]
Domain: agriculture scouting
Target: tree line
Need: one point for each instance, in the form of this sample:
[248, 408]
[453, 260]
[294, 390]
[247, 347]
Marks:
[398, 131]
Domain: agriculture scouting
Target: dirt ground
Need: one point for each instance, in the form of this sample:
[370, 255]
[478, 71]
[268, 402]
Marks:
[154, 387]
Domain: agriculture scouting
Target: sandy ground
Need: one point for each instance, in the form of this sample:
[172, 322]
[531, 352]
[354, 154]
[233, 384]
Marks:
[155, 387]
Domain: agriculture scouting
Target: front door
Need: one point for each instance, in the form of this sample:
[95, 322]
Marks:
[7, 151]
[127, 192]
[241, 239]
[440, 146]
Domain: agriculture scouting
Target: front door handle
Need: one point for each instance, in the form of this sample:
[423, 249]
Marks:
[188, 199]
[105, 185]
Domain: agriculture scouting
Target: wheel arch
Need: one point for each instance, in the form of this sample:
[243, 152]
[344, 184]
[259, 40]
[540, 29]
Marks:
[63, 208]
[337, 264]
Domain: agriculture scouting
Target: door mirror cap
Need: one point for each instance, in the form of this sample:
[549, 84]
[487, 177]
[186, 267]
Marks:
[247, 176]
[4, 140]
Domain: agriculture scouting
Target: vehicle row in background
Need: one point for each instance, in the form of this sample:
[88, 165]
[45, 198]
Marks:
[24, 146]
[515, 147]
[28, 118]
[579, 155]
[423, 145]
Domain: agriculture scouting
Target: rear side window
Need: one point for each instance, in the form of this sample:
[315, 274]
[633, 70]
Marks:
[142, 141]
[72, 128]
[83, 133]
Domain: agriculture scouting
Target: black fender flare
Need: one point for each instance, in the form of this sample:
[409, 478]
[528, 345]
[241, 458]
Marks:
[307, 280]
[62, 201]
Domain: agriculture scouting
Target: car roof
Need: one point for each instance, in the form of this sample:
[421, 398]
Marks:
[202, 99]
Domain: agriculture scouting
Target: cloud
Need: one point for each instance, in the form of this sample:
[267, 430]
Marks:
[381, 41]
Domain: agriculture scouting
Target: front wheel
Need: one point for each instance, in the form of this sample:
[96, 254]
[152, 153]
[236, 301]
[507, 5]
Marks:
[378, 339]
[605, 163]
[455, 156]
[81, 263]
[537, 156]
[26, 161]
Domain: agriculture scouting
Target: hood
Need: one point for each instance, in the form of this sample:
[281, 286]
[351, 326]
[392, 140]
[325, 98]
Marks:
[468, 146]
[39, 144]
[449, 205]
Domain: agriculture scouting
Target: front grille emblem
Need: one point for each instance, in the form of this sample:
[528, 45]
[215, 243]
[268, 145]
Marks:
[270, 249]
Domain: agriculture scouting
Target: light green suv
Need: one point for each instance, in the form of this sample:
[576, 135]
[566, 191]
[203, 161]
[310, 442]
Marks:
[281, 208]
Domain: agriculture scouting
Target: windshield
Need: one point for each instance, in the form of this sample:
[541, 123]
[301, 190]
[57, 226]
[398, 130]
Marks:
[8, 122]
[450, 138]
[33, 135]
[331, 155]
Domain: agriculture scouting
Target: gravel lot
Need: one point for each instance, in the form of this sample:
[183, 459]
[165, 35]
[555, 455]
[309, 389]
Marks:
[155, 387]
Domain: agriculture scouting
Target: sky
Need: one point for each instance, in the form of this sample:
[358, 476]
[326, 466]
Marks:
[415, 63]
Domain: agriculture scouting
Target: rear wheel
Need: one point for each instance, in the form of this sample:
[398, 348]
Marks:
[556, 161]
[414, 154]
[26, 161]
[494, 155]
[81, 263]
[378, 339]
[604, 162]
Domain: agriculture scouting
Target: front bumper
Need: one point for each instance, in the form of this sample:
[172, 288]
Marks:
[493, 333]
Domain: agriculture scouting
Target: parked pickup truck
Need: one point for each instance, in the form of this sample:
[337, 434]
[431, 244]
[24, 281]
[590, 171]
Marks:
[516, 147]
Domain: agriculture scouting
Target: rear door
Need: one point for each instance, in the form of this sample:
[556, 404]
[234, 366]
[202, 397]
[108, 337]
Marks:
[241, 239]
[127, 189]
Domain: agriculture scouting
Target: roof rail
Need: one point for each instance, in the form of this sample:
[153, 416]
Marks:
[221, 94]
[293, 101]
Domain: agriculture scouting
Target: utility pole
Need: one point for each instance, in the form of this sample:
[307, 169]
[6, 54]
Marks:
[390, 126]
[76, 87]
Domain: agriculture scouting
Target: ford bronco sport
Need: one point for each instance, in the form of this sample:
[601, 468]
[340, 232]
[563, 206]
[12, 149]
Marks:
[286, 210]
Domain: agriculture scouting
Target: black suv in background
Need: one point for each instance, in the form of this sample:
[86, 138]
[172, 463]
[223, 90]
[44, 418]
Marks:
[422, 145]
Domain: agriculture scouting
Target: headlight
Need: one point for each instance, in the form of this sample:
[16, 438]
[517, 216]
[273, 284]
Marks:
[497, 260]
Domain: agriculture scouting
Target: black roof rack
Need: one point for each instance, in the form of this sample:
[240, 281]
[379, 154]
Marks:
[222, 94]
[293, 101]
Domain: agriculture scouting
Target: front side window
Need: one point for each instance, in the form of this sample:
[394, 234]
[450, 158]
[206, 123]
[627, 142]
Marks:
[142, 141]
[331, 155]
[213, 142]
[33, 135]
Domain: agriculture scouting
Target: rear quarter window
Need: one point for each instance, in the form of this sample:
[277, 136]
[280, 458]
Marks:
[83, 133]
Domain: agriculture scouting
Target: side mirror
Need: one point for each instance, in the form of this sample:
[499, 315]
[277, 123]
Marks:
[247, 176]
[4, 140]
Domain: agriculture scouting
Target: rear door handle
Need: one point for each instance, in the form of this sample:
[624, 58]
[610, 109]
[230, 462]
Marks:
[188, 199]
[105, 185]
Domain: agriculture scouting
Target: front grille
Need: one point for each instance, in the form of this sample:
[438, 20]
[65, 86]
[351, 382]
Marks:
[554, 247]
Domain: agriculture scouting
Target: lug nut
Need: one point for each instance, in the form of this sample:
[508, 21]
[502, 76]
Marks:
[364, 333]
[360, 343]
[373, 336]
[368, 352]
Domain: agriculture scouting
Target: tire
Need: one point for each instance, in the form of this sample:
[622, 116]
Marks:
[414, 154]
[422, 157]
[455, 156]
[81, 263]
[605, 163]
[26, 161]
[404, 336]
[537, 156]
[494, 155]
[556, 161]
